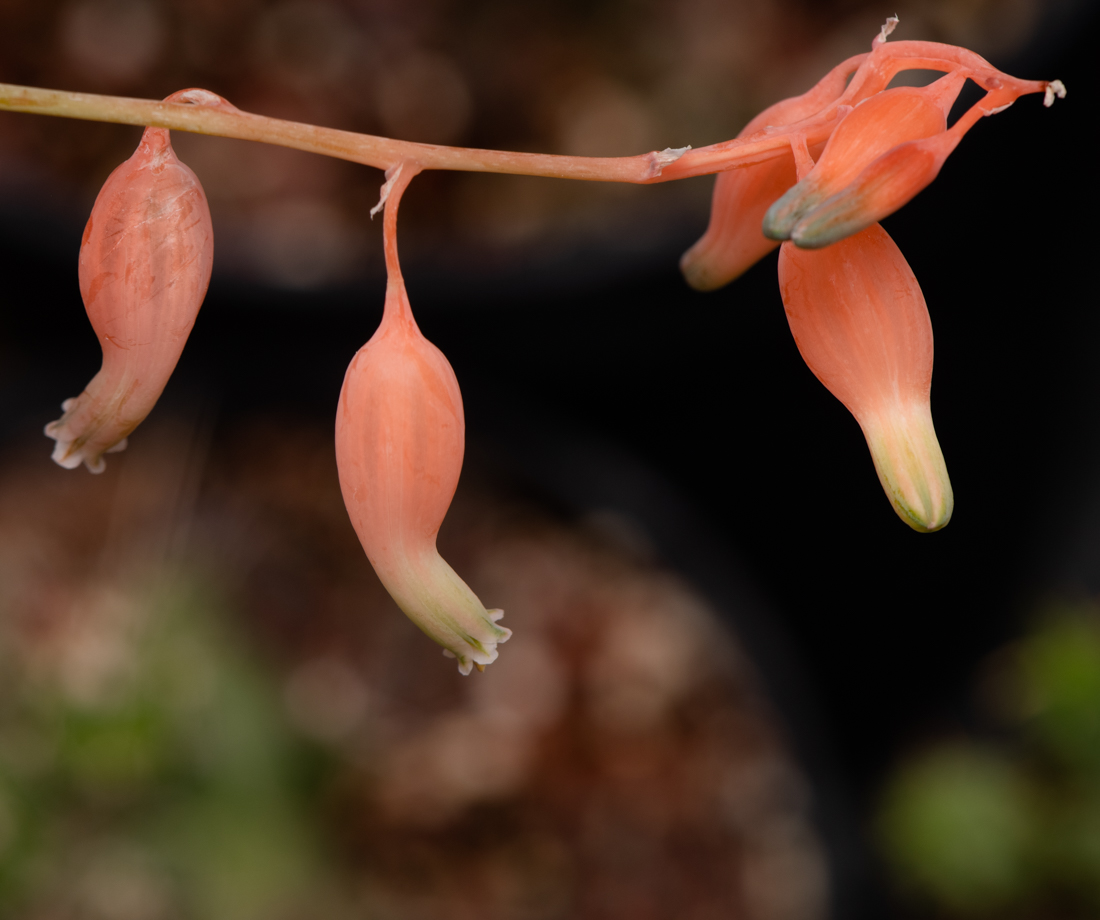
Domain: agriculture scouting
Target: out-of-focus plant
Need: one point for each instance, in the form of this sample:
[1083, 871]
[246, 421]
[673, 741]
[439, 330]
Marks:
[146, 769]
[981, 827]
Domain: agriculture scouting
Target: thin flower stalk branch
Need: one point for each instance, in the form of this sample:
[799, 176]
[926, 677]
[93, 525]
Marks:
[380, 152]
[866, 74]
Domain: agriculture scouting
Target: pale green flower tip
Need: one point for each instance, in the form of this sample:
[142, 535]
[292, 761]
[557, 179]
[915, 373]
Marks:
[784, 214]
[442, 605]
[911, 467]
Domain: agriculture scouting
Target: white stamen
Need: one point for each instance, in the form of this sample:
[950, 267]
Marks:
[1054, 88]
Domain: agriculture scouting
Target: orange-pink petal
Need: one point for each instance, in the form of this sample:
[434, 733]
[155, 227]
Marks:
[861, 324]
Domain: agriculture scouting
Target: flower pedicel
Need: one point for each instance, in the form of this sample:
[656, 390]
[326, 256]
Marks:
[145, 263]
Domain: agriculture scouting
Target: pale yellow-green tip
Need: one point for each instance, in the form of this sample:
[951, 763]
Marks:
[910, 465]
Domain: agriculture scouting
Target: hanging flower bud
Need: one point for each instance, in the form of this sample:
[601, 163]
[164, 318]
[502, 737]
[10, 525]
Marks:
[733, 242]
[145, 264]
[872, 130]
[861, 324]
[400, 437]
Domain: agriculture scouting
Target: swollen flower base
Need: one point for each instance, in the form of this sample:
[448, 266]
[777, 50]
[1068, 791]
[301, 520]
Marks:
[814, 173]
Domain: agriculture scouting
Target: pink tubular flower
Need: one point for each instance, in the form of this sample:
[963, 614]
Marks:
[861, 324]
[733, 241]
[145, 264]
[399, 443]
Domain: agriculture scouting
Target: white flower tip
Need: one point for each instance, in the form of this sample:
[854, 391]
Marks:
[65, 455]
[1055, 88]
[887, 27]
[486, 652]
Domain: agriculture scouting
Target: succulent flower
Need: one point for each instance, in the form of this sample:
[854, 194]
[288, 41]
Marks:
[400, 437]
[145, 263]
[861, 324]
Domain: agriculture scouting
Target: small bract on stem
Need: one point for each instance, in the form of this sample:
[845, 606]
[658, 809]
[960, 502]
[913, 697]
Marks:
[816, 173]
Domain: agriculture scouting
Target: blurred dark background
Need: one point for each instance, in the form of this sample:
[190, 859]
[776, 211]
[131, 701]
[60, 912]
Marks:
[591, 373]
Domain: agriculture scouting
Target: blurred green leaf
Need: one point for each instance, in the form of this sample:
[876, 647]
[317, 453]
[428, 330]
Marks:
[958, 824]
[1061, 673]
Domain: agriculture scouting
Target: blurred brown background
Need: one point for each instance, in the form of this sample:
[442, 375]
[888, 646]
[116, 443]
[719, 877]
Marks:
[715, 705]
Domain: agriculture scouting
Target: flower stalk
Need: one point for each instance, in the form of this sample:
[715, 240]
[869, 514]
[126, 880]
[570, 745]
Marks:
[870, 74]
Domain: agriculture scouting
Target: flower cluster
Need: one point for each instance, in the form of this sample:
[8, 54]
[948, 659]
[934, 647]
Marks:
[814, 174]
[854, 306]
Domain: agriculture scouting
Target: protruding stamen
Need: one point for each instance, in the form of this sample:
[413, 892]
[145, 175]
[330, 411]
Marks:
[1053, 88]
